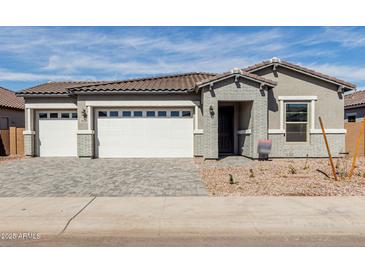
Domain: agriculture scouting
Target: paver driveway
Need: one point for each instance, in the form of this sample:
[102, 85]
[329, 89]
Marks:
[100, 177]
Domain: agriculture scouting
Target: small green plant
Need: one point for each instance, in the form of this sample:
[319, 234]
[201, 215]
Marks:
[292, 169]
[306, 166]
[231, 180]
[252, 175]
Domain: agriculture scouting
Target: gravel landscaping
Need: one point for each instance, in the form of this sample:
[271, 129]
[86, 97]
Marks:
[4, 159]
[283, 177]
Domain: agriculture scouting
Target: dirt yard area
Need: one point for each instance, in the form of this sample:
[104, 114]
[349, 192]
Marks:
[4, 159]
[284, 177]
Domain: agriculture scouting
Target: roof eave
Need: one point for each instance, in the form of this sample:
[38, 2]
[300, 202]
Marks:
[26, 95]
[348, 87]
[116, 92]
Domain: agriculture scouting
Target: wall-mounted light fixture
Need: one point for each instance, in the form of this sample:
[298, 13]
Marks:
[211, 111]
[84, 114]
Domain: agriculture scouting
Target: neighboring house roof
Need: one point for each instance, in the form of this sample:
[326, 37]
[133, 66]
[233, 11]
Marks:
[355, 99]
[177, 83]
[238, 72]
[278, 62]
[55, 87]
[8, 99]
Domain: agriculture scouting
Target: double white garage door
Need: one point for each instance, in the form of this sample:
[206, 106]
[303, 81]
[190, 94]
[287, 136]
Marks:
[144, 133]
[120, 133]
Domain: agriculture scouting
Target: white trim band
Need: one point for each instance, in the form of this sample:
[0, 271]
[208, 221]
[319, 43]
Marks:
[51, 106]
[198, 131]
[276, 131]
[85, 131]
[139, 103]
[28, 132]
[244, 131]
[298, 98]
[328, 130]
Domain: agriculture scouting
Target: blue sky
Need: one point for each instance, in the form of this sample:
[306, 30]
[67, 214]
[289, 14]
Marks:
[33, 55]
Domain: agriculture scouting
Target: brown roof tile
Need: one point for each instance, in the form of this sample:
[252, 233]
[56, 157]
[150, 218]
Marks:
[300, 68]
[55, 87]
[177, 83]
[355, 99]
[8, 99]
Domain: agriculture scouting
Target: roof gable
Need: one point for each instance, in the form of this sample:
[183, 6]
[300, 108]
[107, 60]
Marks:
[237, 73]
[277, 62]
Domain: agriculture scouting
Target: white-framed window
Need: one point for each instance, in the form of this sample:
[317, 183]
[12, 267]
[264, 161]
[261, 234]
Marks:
[113, 114]
[53, 115]
[296, 122]
[150, 113]
[43, 115]
[351, 117]
[138, 113]
[144, 113]
[175, 113]
[186, 113]
[57, 115]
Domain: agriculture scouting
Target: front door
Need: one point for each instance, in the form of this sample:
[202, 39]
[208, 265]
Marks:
[225, 129]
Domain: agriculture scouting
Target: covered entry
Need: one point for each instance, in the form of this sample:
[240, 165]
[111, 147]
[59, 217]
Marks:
[234, 127]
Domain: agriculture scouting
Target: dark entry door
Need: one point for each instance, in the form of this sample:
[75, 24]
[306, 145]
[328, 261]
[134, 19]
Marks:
[225, 129]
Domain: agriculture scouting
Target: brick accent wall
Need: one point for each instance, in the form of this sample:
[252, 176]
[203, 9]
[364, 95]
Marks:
[245, 147]
[198, 144]
[85, 145]
[29, 144]
[315, 147]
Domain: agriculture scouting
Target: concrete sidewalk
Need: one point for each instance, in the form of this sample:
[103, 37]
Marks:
[186, 221]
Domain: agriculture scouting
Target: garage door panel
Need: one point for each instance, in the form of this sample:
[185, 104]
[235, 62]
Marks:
[57, 138]
[145, 137]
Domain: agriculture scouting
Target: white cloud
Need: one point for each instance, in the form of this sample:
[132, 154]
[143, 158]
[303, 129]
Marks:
[348, 73]
[6, 75]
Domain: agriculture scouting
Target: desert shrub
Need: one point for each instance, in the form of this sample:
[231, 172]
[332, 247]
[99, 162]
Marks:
[292, 169]
[252, 175]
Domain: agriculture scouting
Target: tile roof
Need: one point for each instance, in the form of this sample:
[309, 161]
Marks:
[355, 99]
[56, 87]
[8, 99]
[241, 72]
[177, 83]
[300, 68]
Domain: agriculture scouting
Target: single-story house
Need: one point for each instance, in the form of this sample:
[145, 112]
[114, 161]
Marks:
[355, 106]
[191, 114]
[11, 115]
[354, 117]
[11, 109]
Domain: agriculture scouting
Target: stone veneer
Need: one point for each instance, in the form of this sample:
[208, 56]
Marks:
[85, 145]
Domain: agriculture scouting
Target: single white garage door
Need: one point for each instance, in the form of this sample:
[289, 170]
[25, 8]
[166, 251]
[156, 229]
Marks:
[144, 133]
[57, 133]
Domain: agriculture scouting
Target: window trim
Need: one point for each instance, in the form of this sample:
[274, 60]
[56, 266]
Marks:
[298, 122]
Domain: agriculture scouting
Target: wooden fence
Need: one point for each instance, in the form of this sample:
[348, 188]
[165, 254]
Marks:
[353, 130]
[11, 141]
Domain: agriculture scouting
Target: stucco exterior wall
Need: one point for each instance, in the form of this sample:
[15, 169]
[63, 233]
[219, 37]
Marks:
[15, 117]
[360, 113]
[330, 104]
